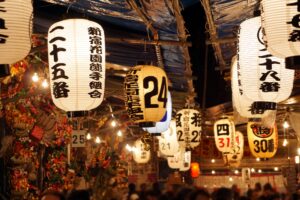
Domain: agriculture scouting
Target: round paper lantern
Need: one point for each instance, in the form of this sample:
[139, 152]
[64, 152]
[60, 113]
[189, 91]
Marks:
[281, 27]
[195, 170]
[263, 141]
[165, 123]
[76, 53]
[240, 102]
[167, 142]
[188, 125]
[15, 30]
[264, 78]
[140, 155]
[224, 131]
[146, 89]
[234, 157]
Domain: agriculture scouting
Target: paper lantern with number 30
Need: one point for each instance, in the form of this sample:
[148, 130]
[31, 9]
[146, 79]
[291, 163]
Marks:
[263, 141]
[146, 89]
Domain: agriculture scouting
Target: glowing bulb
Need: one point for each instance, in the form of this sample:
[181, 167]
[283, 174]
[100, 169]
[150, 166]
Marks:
[119, 133]
[213, 160]
[230, 179]
[88, 136]
[286, 124]
[97, 140]
[45, 83]
[298, 151]
[113, 123]
[285, 143]
[259, 171]
[213, 171]
[297, 159]
[236, 171]
[35, 77]
[252, 170]
[276, 169]
[128, 147]
[257, 159]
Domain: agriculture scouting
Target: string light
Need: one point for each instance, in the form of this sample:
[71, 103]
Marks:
[98, 140]
[276, 169]
[257, 159]
[119, 133]
[113, 123]
[88, 136]
[252, 170]
[213, 172]
[259, 171]
[213, 160]
[230, 179]
[35, 77]
[45, 83]
[236, 171]
[297, 159]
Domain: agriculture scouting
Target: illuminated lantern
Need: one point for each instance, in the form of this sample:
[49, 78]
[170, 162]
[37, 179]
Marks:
[240, 102]
[189, 129]
[140, 154]
[234, 157]
[264, 78]
[181, 160]
[167, 142]
[282, 30]
[162, 125]
[146, 89]
[195, 170]
[76, 53]
[175, 161]
[15, 30]
[263, 141]
[224, 131]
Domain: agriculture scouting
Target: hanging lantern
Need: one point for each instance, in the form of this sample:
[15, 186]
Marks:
[165, 123]
[189, 129]
[140, 153]
[15, 30]
[264, 78]
[167, 142]
[224, 131]
[146, 89]
[175, 161]
[234, 157]
[281, 27]
[195, 170]
[76, 53]
[181, 160]
[263, 141]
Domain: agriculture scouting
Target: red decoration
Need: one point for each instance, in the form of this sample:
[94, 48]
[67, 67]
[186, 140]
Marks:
[37, 133]
[195, 170]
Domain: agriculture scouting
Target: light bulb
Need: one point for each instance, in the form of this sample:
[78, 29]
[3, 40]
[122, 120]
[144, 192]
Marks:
[213, 160]
[252, 170]
[45, 83]
[35, 77]
[257, 159]
[97, 140]
[285, 143]
[119, 133]
[213, 171]
[230, 179]
[236, 171]
[88, 136]
[113, 123]
[297, 159]
[298, 151]
[276, 169]
[286, 124]
[259, 171]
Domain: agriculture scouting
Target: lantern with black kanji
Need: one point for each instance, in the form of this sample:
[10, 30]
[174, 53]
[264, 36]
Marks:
[76, 53]
[140, 153]
[195, 170]
[146, 89]
[264, 78]
[164, 124]
[282, 30]
[15, 30]
[189, 127]
[224, 131]
[263, 141]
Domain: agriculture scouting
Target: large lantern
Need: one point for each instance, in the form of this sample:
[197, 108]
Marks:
[189, 129]
[146, 89]
[264, 78]
[76, 53]
[224, 131]
[282, 29]
[263, 141]
[234, 157]
[195, 170]
[167, 142]
[165, 123]
[140, 153]
[15, 30]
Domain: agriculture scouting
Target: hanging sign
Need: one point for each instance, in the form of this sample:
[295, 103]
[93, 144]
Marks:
[224, 131]
[140, 152]
[168, 144]
[78, 138]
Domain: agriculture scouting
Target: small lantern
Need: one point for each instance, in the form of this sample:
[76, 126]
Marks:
[76, 53]
[15, 30]
[281, 27]
[195, 170]
[189, 127]
[224, 131]
[165, 123]
[234, 157]
[174, 162]
[146, 89]
[264, 78]
[140, 153]
[167, 142]
[263, 141]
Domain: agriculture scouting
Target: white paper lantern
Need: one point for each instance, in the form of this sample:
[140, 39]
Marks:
[264, 77]
[140, 155]
[234, 157]
[163, 125]
[15, 30]
[282, 30]
[76, 53]
[224, 131]
[189, 127]
[175, 161]
[181, 160]
[167, 142]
